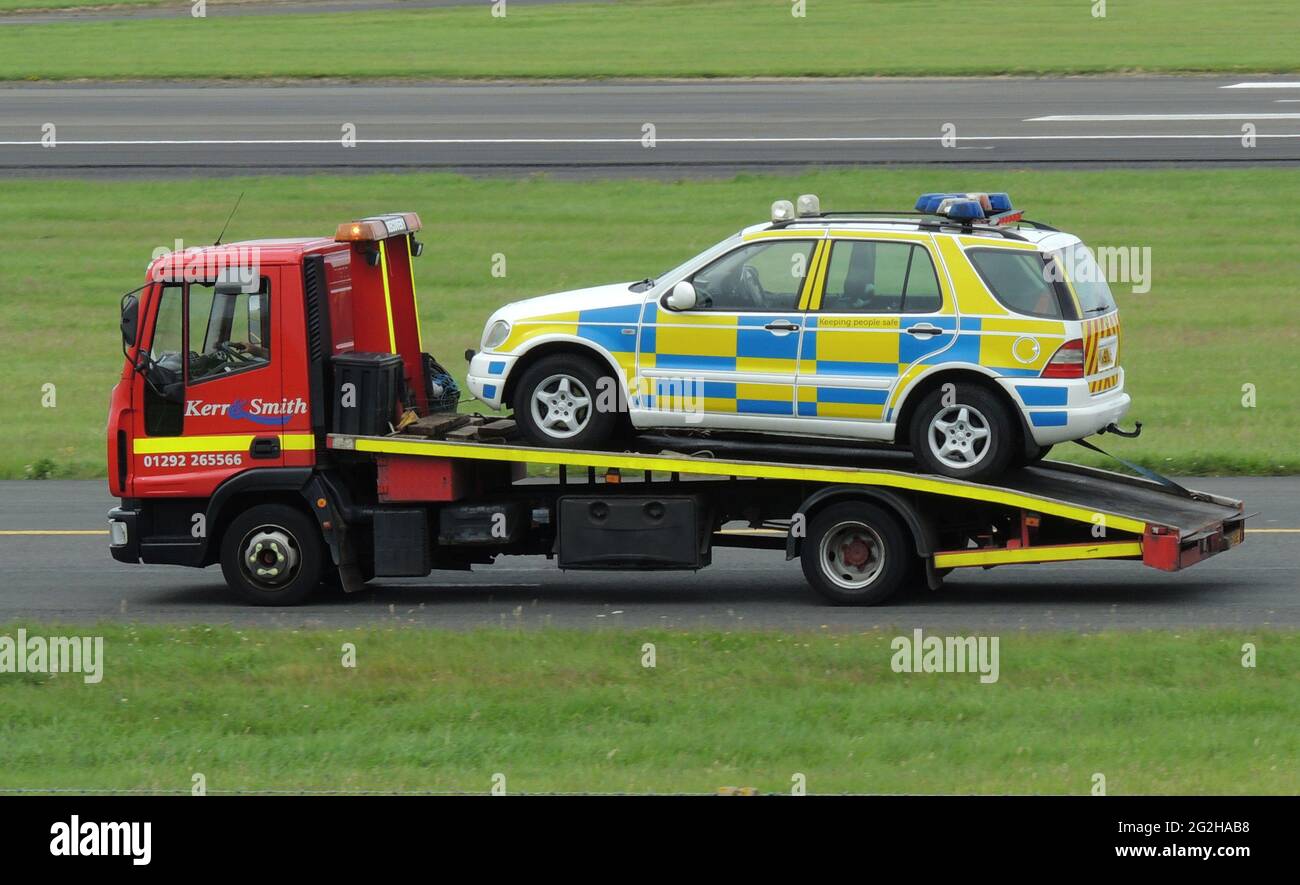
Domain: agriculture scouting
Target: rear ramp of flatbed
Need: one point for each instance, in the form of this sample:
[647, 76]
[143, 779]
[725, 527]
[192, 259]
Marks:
[1165, 528]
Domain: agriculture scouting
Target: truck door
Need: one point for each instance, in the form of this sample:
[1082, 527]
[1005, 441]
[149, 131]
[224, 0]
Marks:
[220, 409]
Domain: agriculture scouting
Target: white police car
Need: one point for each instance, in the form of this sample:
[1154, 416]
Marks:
[959, 330]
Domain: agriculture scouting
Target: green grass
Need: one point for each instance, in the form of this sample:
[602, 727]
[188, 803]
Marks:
[576, 711]
[1221, 312]
[674, 38]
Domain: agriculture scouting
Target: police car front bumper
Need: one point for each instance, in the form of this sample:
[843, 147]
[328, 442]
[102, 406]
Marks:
[487, 377]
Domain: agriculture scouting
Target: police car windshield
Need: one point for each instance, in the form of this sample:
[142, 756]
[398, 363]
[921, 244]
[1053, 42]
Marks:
[1087, 277]
[676, 272]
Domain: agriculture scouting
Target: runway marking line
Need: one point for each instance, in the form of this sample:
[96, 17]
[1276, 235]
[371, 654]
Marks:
[53, 532]
[1265, 85]
[828, 139]
[1152, 118]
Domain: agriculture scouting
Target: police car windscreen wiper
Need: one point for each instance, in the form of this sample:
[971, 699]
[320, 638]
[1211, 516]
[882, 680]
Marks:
[643, 285]
[1101, 309]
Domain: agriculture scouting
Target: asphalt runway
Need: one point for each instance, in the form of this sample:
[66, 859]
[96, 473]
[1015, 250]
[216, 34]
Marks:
[70, 578]
[593, 129]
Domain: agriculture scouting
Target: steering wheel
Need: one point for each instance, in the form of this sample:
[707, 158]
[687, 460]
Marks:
[234, 353]
[751, 289]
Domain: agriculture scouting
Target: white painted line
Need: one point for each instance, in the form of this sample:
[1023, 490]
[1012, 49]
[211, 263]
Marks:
[637, 141]
[1113, 118]
[1270, 84]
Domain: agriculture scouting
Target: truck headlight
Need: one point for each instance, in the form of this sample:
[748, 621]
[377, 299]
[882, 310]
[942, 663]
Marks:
[496, 334]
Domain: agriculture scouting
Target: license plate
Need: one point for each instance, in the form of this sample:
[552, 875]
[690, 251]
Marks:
[1106, 350]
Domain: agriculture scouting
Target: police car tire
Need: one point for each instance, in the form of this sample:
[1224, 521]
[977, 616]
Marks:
[1002, 437]
[302, 532]
[601, 423]
[1024, 459]
[899, 553]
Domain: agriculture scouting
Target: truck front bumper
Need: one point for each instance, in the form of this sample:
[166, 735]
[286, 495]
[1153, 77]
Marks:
[124, 534]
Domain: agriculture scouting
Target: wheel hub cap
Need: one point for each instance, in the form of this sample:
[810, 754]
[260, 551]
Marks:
[270, 556]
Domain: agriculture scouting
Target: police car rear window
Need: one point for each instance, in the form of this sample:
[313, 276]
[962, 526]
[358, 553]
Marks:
[1087, 278]
[1018, 280]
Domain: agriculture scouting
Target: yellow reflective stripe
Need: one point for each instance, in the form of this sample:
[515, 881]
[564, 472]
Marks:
[388, 298]
[800, 233]
[415, 302]
[234, 442]
[819, 255]
[997, 243]
[819, 284]
[756, 469]
[856, 234]
[1053, 553]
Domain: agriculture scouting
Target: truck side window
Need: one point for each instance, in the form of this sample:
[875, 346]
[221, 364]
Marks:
[229, 331]
[163, 400]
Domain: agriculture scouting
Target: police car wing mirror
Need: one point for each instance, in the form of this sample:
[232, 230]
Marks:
[682, 297]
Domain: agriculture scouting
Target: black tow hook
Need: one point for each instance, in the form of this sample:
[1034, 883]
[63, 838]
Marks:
[1119, 431]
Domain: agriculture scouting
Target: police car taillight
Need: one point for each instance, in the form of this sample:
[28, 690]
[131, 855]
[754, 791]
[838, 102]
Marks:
[1067, 362]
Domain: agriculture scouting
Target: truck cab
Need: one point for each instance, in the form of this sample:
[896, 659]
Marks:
[239, 358]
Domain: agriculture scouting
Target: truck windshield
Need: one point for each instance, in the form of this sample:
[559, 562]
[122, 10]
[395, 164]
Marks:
[1087, 277]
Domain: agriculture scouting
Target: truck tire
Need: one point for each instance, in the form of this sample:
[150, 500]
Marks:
[272, 554]
[857, 553]
[557, 403]
[969, 436]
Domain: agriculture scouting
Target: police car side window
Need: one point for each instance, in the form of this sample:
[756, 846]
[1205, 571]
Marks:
[1018, 280]
[878, 277]
[756, 277]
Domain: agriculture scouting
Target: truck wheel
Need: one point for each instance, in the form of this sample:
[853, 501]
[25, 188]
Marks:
[857, 554]
[271, 554]
[560, 401]
[968, 436]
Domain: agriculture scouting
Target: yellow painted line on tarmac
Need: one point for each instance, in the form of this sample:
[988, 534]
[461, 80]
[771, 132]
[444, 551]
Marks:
[53, 531]
[1273, 531]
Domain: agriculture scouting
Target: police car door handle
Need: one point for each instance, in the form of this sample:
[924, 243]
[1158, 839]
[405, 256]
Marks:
[782, 326]
[924, 329]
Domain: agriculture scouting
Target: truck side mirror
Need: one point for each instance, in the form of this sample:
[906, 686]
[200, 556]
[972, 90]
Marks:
[682, 296]
[130, 323]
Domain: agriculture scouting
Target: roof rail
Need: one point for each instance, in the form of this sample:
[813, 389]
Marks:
[925, 220]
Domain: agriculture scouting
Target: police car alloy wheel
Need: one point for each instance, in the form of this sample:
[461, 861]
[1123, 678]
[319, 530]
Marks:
[566, 400]
[958, 436]
[561, 406]
[963, 431]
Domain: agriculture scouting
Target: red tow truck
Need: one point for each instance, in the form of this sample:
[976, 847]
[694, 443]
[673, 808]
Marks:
[257, 420]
